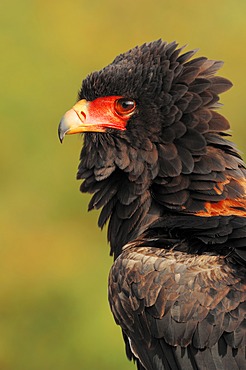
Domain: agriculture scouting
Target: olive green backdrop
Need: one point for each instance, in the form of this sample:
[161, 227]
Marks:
[54, 261]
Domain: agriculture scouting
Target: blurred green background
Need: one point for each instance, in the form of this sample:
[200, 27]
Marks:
[54, 261]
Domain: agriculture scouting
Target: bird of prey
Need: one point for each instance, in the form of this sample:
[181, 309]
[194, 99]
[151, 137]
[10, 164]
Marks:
[171, 188]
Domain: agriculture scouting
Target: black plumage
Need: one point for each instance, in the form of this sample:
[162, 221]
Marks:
[172, 188]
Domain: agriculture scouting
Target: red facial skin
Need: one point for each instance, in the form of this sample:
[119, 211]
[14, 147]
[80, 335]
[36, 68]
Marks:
[97, 115]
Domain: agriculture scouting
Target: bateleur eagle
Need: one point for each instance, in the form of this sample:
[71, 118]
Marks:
[171, 187]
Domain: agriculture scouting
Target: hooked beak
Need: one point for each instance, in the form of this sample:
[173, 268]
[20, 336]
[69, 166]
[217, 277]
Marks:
[73, 121]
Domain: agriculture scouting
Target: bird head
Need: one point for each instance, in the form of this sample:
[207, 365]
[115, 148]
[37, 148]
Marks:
[150, 93]
[132, 97]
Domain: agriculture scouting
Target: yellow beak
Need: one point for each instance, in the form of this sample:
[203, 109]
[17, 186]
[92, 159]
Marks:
[73, 121]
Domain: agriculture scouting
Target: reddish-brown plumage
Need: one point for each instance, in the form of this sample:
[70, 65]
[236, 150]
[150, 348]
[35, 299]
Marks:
[227, 207]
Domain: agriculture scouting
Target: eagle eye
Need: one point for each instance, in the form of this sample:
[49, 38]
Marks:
[124, 106]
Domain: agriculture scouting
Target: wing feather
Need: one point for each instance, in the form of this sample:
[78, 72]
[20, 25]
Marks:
[192, 308]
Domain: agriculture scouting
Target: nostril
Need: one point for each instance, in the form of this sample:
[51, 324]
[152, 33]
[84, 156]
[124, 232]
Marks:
[83, 114]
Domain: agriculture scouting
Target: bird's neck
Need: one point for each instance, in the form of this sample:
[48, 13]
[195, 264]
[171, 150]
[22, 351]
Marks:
[119, 178]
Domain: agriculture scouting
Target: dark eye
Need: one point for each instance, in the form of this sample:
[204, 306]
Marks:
[124, 106]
